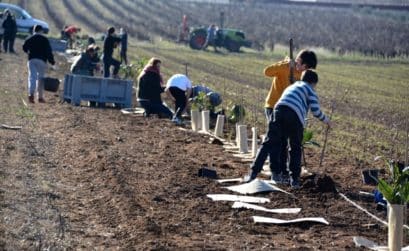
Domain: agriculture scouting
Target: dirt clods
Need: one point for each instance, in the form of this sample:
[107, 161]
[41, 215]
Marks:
[320, 183]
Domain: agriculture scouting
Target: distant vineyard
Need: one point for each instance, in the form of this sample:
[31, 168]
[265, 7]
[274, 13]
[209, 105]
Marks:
[366, 30]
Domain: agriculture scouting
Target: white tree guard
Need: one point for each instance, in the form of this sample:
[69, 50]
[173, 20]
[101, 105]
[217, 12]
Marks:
[195, 120]
[395, 226]
[243, 140]
[218, 131]
[254, 142]
[205, 120]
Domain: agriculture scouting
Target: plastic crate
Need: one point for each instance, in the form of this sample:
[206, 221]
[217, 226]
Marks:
[79, 88]
[58, 45]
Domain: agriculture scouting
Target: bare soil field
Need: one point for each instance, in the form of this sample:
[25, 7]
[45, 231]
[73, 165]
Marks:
[82, 178]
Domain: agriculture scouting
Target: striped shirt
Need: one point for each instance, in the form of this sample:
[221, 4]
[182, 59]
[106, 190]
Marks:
[300, 97]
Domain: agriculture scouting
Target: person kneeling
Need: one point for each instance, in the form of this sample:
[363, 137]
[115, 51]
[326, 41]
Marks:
[85, 64]
[150, 89]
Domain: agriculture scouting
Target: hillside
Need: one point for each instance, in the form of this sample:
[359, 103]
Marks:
[366, 30]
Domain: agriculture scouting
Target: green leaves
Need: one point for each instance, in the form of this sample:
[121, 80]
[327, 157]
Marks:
[201, 102]
[132, 70]
[236, 113]
[396, 191]
[307, 139]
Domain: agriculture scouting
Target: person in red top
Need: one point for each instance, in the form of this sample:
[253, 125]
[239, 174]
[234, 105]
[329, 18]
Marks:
[70, 32]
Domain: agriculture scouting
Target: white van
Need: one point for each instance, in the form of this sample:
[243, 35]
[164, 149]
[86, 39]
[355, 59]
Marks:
[25, 22]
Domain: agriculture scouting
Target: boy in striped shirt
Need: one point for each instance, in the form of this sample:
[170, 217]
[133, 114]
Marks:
[288, 121]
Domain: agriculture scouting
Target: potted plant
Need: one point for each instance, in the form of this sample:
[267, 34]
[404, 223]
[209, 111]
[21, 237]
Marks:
[396, 193]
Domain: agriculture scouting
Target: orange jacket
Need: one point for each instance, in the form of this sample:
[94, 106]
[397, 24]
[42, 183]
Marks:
[280, 72]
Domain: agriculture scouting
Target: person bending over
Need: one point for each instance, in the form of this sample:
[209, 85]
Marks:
[179, 89]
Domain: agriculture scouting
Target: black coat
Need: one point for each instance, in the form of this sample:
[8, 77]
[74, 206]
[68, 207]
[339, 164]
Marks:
[38, 46]
[150, 87]
[10, 26]
[110, 43]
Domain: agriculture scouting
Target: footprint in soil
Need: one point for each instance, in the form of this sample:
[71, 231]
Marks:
[320, 183]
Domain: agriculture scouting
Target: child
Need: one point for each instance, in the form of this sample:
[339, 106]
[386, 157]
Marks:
[280, 72]
[288, 123]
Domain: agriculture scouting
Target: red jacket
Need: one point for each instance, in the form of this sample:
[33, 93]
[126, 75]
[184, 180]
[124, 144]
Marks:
[71, 30]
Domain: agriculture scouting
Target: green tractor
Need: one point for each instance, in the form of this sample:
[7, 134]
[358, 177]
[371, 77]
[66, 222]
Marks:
[230, 39]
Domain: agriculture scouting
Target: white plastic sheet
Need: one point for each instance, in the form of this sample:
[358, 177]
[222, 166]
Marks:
[229, 180]
[256, 186]
[260, 208]
[363, 242]
[230, 197]
[260, 219]
[132, 111]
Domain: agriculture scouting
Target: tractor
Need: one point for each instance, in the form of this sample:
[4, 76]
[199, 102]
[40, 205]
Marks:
[231, 39]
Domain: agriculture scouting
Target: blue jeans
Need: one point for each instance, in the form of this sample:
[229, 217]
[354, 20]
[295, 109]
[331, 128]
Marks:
[108, 62]
[285, 125]
[156, 108]
[269, 112]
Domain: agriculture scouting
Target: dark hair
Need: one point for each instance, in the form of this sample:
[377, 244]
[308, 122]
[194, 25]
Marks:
[154, 61]
[309, 76]
[308, 58]
[38, 28]
[111, 30]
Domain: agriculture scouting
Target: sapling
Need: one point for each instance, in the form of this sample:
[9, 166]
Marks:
[306, 141]
[327, 128]
[236, 113]
[201, 102]
[407, 143]
[396, 192]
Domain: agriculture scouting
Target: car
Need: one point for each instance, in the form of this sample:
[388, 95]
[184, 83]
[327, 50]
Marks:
[25, 22]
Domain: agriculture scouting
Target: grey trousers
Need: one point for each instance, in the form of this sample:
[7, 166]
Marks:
[36, 71]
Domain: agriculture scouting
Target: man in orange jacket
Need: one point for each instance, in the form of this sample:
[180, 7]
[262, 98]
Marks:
[280, 72]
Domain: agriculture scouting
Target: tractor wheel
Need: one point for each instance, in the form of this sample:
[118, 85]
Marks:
[232, 46]
[197, 41]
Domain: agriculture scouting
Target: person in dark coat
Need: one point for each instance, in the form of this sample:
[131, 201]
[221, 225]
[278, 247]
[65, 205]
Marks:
[110, 43]
[150, 88]
[85, 65]
[39, 52]
[10, 31]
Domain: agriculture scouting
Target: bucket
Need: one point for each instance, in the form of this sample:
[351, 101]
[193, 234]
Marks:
[208, 173]
[370, 176]
[51, 84]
